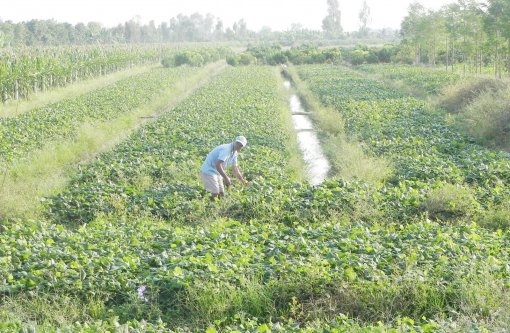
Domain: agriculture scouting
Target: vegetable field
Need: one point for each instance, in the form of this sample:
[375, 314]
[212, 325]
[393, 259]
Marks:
[428, 154]
[426, 79]
[134, 244]
[31, 130]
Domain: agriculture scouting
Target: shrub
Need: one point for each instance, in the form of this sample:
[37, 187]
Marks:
[233, 60]
[450, 202]
[358, 56]
[457, 97]
[277, 59]
[168, 62]
[189, 58]
[496, 218]
[386, 53]
[243, 59]
[247, 59]
[488, 118]
[372, 57]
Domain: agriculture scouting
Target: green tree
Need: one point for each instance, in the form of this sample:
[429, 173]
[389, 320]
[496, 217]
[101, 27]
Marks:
[150, 33]
[332, 22]
[364, 19]
[132, 30]
[470, 32]
[218, 30]
[435, 35]
[414, 30]
[497, 23]
[21, 35]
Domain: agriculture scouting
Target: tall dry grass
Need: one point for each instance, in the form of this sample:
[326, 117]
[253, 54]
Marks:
[482, 109]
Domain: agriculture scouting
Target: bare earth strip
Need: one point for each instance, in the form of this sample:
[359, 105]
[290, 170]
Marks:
[45, 172]
[15, 108]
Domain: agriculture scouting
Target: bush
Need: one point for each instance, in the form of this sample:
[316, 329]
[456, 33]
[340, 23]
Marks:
[243, 59]
[168, 62]
[386, 53]
[196, 57]
[358, 56]
[233, 60]
[450, 202]
[457, 97]
[300, 55]
[247, 59]
[488, 118]
[191, 58]
[372, 58]
[277, 59]
[496, 218]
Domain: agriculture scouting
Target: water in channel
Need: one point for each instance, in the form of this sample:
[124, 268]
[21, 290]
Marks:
[317, 166]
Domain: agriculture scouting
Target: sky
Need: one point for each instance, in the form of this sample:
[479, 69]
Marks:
[278, 15]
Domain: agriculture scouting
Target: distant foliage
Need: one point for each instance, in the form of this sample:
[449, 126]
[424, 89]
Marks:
[276, 55]
[471, 33]
[196, 57]
[305, 54]
[241, 59]
[363, 54]
[182, 28]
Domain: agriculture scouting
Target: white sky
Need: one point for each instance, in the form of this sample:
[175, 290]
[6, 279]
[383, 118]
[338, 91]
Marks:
[276, 14]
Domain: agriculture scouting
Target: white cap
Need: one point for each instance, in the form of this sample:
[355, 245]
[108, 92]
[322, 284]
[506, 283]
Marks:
[242, 140]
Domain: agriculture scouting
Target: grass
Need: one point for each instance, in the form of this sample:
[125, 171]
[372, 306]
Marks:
[45, 310]
[46, 171]
[456, 97]
[487, 118]
[481, 108]
[497, 217]
[15, 108]
[450, 202]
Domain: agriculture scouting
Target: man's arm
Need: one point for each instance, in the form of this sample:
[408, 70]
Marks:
[219, 166]
[238, 174]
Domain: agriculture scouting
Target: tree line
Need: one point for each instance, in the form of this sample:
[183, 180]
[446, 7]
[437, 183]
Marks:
[192, 28]
[184, 28]
[464, 33]
[468, 33]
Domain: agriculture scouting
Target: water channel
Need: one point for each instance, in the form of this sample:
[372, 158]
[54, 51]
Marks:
[317, 166]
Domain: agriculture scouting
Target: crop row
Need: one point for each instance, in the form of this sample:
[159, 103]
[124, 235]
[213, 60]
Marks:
[122, 256]
[428, 80]
[426, 151]
[31, 130]
[115, 259]
[340, 323]
[157, 168]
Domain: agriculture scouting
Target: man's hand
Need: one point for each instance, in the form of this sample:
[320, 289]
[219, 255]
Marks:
[227, 181]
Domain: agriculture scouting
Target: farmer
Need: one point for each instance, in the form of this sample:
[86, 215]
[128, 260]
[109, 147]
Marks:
[213, 170]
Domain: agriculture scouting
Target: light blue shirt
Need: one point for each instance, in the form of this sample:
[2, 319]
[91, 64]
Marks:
[223, 153]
